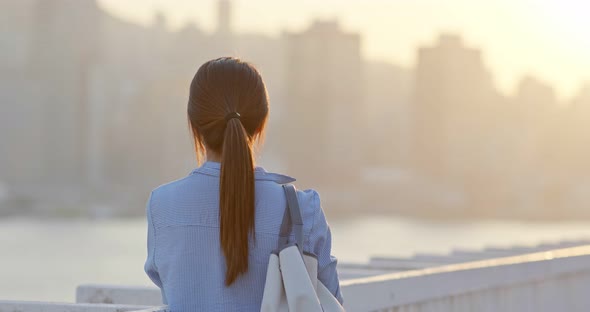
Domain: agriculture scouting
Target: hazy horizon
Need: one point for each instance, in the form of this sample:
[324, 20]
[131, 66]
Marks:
[544, 39]
[440, 136]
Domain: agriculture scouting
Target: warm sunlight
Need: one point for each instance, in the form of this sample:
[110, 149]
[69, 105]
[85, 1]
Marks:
[569, 20]
[544, 38]
[419, 155]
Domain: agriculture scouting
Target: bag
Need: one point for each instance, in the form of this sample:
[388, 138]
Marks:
[291, 278]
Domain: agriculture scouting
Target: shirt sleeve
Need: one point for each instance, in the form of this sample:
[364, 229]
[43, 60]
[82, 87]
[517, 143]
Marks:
[320, 240]
[150, 264]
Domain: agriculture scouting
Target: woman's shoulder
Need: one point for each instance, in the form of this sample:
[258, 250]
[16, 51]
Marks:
[310, 206]
[309, 198]
[169, 187]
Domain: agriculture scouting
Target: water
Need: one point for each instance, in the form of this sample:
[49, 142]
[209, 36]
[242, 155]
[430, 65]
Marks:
[46, 260]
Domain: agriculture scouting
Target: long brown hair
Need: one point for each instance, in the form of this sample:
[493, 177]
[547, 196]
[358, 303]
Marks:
[221, 88]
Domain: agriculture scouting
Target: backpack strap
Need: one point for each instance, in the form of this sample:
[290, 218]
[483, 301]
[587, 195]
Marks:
[291, 219]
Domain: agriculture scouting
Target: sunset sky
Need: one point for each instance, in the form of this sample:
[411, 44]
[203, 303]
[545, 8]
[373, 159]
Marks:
[545, 38]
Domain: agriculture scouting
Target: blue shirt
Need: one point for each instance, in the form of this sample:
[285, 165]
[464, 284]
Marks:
[185, 259]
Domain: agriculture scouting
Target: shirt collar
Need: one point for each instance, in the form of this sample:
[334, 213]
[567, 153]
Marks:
[213, 168]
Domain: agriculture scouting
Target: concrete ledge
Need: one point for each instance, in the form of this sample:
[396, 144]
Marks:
[542, 281]
[34, 306]
[136, 295]
[408, 287]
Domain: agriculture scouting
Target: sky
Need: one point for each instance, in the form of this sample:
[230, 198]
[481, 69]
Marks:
[547, 39]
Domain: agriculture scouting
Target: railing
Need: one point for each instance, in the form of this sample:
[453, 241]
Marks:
[136, 295]
[557, 280]
[30, 306]
[551, 280]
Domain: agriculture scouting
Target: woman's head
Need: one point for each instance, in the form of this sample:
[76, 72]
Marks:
[227, 112]
[220, 87]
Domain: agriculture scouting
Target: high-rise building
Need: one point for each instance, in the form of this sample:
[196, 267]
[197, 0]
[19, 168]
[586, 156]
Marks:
[322, 135]
[459, 139]
[66, 46]
[387, 99]
[20, 131]
[452, 100]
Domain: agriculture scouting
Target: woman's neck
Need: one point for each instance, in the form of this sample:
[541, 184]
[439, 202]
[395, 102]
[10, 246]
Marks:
[212, 156]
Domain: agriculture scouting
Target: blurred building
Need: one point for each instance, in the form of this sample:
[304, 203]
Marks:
[456, 139]
[93, 116]
[387, 98]
[564, 154]
[96, 104]
[94, 107]
[534, 108]
[323, 125]
[451, 93]
[20, 118]
[324, 112]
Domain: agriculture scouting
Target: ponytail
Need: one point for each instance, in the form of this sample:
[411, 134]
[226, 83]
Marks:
[227, 112]
[236, 199]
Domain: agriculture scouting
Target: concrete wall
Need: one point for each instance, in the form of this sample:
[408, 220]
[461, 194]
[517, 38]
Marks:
[554, 280]
[28, 306]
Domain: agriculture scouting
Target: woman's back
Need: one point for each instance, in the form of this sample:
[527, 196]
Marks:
[185, 258]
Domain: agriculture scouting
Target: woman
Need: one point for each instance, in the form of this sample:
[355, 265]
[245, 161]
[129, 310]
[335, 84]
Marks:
[210, 234]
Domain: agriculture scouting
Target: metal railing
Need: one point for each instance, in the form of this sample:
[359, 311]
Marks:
[544, 280]
[555, 280]
[32, 306]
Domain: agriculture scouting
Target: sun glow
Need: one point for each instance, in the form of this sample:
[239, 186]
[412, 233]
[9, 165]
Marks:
[545, 38]
[569, 20]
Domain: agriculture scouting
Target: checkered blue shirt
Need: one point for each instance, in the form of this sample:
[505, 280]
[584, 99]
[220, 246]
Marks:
[185, 259]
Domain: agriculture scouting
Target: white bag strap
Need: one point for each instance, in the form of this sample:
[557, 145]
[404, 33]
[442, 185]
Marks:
[291, 219]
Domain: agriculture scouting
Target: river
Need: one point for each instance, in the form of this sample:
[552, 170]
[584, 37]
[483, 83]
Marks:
[46, 259]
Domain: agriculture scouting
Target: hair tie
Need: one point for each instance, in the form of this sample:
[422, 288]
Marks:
[231, 116]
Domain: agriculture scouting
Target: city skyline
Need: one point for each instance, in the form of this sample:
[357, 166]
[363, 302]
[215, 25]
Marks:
[419, 121]
[440, 138]
[544, 39]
